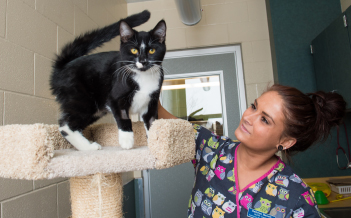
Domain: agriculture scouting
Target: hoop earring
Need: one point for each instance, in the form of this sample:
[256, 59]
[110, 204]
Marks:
[280, 147]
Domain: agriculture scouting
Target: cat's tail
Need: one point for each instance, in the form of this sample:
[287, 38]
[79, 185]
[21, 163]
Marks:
[85, 43]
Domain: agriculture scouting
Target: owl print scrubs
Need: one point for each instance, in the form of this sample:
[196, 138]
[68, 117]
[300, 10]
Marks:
[279, 193]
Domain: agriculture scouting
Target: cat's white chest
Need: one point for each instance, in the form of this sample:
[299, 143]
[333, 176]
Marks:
[148, 83]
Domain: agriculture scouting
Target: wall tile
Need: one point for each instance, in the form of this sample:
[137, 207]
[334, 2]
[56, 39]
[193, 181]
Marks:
[261, 51]
[212, 2]
[134, 8]
[172, 19]
[176, 39]
[12, 187]
[64, 203]
[38, 184]
[169, 4]
[30, 29]
[14, 76]
[127, 177]
[248, 31]
[60, 12]
[30, 3]
[82, 22]
[257, 10]
[3, 5]
[120, 11]
[97, 12]
[155, 5]
[262, 87]
[231, 1]
[82, 5]
[251, 93]
[345, 4]
[258, 72]
[112, 45]
[207, 35]
[111, 19]
[106, 119]
[1, 107]
[38, 204]
[42, 72]
[226, 13]
[247, 51]
[63, 37]
[24, 109]
[151, 23]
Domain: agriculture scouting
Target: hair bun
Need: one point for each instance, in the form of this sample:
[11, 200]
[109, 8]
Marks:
[330, 108]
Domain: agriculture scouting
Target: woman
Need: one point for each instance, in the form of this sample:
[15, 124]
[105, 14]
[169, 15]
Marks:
[245, 178]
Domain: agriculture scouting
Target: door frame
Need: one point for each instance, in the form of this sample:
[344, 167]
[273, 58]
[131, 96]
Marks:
[233, 49]
[202, 74]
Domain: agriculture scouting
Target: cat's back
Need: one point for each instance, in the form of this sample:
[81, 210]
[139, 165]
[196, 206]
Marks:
[89, 71]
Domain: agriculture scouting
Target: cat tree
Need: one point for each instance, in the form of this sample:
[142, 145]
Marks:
[39, 151]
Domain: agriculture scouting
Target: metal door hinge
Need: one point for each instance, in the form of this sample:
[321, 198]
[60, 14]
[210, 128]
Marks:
[311, 47]
[345, 20]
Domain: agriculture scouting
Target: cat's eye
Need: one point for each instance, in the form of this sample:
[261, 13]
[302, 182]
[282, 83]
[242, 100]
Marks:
[151, 51]
[134, 51]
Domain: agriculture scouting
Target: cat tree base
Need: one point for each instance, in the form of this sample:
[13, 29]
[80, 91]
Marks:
[97, 196]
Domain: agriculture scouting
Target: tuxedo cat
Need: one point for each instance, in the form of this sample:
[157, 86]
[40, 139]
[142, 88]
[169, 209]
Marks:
[124, 82]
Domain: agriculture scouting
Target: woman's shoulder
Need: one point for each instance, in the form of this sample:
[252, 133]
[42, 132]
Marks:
[287, 178]
[206, 138]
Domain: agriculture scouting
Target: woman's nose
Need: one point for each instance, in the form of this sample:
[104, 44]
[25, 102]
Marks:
[249, 118]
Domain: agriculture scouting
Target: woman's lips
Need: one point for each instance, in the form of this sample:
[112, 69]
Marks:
[244, 129]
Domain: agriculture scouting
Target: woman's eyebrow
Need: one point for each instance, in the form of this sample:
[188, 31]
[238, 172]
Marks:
[264, 112]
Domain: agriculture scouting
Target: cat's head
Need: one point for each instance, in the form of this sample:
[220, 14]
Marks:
[143, 50]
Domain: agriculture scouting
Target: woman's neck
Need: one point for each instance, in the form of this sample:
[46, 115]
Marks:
[252, 165]
[251, 160]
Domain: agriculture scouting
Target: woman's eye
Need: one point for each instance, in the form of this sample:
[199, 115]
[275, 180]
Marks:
[253, 106]
[265, 120]
[151, 51]
[134, 51]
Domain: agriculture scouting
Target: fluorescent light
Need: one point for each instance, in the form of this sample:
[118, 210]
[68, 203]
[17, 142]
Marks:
[184, 86]
[176, 87]
[206, 84]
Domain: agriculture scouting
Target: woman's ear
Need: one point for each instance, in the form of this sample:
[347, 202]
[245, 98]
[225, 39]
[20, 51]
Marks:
[288, 142]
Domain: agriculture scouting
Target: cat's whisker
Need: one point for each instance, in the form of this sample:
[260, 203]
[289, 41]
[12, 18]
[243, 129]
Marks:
[124, 61]
[160, 69]
[166, 71]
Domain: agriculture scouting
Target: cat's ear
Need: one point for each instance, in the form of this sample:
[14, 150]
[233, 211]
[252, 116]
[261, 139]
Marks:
[125, 31]
[159, 31]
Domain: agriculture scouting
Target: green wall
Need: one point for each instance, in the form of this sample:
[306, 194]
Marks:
[129, 210]
[293, 25]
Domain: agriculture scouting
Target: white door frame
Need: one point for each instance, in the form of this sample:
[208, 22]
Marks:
[234, 49]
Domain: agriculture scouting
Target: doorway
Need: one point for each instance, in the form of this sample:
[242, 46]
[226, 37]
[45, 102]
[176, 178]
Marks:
[204, 86]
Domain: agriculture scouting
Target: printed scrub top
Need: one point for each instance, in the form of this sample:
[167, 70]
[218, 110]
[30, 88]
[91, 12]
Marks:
[279, 193]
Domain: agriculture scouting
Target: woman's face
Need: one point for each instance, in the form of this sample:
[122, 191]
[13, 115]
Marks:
[262, 124]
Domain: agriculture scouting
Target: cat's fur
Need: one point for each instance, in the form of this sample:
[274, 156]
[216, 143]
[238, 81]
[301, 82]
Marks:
[89, 86]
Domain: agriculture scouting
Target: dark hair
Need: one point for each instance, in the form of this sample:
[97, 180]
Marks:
[309, 117]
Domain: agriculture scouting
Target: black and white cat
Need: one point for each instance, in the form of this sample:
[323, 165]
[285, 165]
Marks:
[124, 82]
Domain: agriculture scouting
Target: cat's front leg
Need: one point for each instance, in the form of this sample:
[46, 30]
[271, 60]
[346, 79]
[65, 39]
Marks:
[125, 131]
[150, 115]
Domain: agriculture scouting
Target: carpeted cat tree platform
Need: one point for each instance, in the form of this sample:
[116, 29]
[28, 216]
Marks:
[39, 151]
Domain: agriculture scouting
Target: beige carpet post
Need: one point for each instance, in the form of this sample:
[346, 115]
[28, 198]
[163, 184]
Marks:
[97, 196]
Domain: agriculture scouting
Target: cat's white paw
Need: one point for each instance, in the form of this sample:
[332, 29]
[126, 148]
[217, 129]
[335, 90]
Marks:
[90, 147]
[96, 146]
[126, 139]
